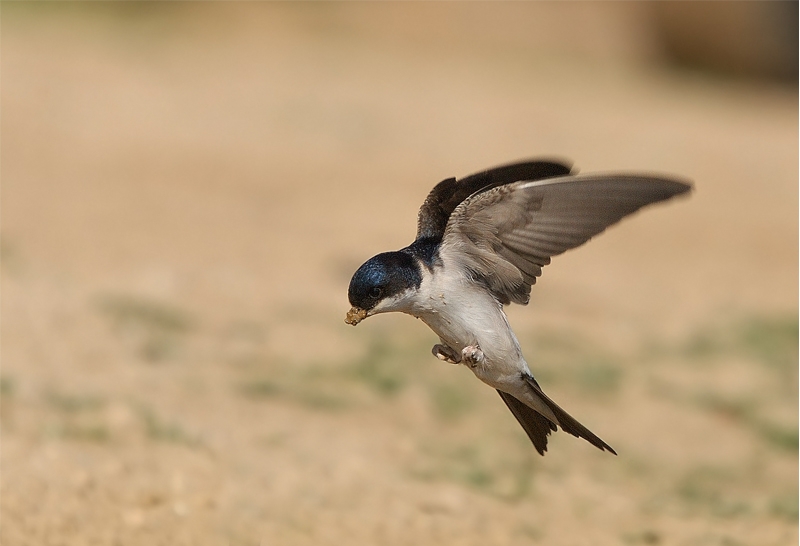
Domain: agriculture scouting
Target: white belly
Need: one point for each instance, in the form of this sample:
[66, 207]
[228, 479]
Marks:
[467, 314]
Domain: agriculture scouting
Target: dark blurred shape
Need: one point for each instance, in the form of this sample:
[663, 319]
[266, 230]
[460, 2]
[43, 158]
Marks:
[743, 39]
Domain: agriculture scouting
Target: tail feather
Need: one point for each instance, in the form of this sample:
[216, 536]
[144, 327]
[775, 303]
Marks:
[539, 427]
[536, 425]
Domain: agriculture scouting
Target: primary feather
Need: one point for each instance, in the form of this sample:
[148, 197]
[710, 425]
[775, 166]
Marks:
[505, 235]
[448, 194]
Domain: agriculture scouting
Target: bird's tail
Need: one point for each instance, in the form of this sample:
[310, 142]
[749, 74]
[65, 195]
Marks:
[538, 427]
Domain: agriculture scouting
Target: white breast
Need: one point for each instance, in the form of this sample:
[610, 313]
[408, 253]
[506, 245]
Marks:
[463, 313]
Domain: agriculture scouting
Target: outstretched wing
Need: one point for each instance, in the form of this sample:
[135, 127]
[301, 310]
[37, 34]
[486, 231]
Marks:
[448, 194]
[505, 235]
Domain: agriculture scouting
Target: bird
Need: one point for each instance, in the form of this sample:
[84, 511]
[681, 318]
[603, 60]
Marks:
[481, 243]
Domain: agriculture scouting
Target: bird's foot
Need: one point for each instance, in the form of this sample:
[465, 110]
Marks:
[445, 353]
[472, 356]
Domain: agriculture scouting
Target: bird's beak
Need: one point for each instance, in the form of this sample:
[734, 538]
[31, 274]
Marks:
[355, 315]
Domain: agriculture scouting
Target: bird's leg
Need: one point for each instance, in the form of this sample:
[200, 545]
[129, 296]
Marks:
[472, 356]
[443, 352]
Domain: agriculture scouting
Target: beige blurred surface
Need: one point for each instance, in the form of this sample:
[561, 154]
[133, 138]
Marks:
[186, 189]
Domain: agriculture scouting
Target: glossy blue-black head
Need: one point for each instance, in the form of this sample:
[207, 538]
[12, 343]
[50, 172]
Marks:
[381, 278]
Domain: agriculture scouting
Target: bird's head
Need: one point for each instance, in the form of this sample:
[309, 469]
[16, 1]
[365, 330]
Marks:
[386, 282]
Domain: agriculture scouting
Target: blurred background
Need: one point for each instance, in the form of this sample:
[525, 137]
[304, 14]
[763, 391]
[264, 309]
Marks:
[187, 188]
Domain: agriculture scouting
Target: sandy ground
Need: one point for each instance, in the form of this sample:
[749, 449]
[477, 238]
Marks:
[187, 188]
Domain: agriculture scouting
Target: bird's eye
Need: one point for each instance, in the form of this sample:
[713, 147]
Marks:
[375, 292]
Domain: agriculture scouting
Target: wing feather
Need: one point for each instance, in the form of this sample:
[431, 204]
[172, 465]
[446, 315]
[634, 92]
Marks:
[448, 194]
[505, 235]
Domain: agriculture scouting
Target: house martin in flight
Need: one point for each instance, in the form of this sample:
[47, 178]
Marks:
[481, 242]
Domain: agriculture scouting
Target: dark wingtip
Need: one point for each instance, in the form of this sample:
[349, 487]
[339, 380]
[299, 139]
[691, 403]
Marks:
[680, 186]
[670, 185]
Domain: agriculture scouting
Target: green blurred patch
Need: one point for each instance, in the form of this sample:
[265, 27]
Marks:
[769, 346]
[160, 430]
[785, 507]
[738, 409]
[315, 388]
[10, 259]
[505, 474]
[450, 401]
[712, 490]
[782, 437]
[7, 385]
[647, 536]
[530, 532]
[305, 388]
[772, 341]
[381, 368]
[598, 376]
[746, 412]
[260, 388]
[321, 400]
[83, 432]
[572, 360]
[79, 418]
[469, 467]
[129, 310]
[157, 328]
[277, 439]
[702, 345]
[74, 403]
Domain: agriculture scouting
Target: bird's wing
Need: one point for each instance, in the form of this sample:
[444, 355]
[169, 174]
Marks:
[505, 235]
[448, 194]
